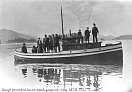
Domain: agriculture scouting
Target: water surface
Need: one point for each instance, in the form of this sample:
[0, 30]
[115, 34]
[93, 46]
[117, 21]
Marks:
[57, 77]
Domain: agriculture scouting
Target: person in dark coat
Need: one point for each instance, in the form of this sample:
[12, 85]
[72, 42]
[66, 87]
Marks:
[50, 43]
[79, 33]
[39, 46]
[87, 34]
[24, 48]
[45, 43]
[95, 32]
[53, 39]
[80, 37]
[34, 49]
[57, 44]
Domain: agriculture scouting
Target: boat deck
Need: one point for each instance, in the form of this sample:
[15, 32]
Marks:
[109, 54]
[102, 48]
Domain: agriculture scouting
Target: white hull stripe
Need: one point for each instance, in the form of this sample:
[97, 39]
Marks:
[70, 52]
[67, 55]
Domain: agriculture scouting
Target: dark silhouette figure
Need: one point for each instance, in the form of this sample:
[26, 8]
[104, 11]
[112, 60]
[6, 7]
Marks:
[39, 46]
[34, 49]
[53, 39]
[94, 32]
[57, 44]
[79, 33]
[45, 43]
[80, 36]
[87, 34]
[24, 48]
[50, 43]
[70, 34]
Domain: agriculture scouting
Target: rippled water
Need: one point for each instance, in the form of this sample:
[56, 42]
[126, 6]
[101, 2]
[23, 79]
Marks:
[57, 77]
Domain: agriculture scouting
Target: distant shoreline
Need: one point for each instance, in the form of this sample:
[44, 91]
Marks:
[18, 43]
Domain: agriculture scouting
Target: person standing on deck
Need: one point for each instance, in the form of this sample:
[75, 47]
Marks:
[57, 44]
[24, 48]
[45, 44]
[95, 32]
[53, 39]
[87, 34]
[80, 36]
[50, 44]
[39, 46]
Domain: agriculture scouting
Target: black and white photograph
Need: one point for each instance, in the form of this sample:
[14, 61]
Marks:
[65, 46]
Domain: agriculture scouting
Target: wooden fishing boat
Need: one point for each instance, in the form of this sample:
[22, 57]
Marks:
[92, 53]
[74, 52]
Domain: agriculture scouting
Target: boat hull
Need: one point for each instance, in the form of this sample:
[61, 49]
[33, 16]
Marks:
[113, 56]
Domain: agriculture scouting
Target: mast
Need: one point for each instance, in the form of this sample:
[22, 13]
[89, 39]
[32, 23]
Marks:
[62, 23]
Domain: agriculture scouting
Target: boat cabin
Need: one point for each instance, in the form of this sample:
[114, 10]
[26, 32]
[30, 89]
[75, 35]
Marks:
[76, 43]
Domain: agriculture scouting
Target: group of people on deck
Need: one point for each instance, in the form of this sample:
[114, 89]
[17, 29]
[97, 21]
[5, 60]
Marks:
[51, 43]
[87, 34]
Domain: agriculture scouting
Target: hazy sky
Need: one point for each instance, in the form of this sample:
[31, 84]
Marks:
[39, 17]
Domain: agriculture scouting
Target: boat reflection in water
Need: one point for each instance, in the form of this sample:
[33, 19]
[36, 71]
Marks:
[54, 76]
[69, 77]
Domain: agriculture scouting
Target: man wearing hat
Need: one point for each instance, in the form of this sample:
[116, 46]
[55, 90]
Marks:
[45, 43]
[94, 33]
[39, 45]
[24, 48]
[87, 34]
[80, 36]
[57, 44]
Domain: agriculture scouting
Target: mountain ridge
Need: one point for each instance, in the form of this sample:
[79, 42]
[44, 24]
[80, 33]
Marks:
[6, 35]
[123, 37]
[10, 36]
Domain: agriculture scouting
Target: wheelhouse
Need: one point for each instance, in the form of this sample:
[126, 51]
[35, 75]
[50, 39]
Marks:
[71, 43]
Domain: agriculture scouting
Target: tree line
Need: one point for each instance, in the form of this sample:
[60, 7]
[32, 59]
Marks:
[21, 40]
